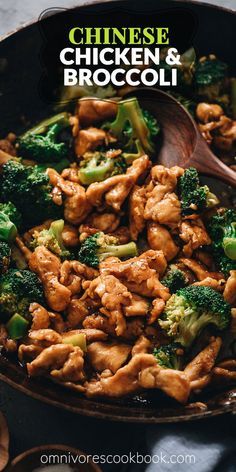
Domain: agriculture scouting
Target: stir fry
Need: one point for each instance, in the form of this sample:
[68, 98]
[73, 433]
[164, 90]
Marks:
[118, 275]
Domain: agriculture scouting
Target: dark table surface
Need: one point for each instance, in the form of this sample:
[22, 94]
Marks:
[32, 423]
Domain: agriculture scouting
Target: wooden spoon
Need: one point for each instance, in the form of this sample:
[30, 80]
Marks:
[182, 143]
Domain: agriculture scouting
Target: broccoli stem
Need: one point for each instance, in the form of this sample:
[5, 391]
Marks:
[17, 326]
[61, 119]
[131, 157]
[124, 250]
[229, 243]
[95, 173]
[56, 228]
[129, 110]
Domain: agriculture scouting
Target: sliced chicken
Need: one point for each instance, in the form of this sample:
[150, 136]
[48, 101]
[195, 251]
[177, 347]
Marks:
[142, 372]
[47, 266]
[159, 238]
[110, 356]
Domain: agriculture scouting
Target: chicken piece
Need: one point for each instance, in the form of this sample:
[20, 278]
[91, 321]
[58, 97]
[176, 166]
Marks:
[194, 234]
[7, 144]
[92, 335]
[47, 266]
[158, 306]
[43, 319]
[141, 346]
[70, 236]
[44, 337]
[8, 344]
[215, 127]
[40, 317]
[222, 376]
[113, 296]
[88, 140]
[76, 312]
[99, 322]
[165, 176]
[206, 112]
[139, 306]
[162, 204]
[159, 238]
[204, 257]
[73, 272]
[114, 190]
[137, 202]
[110, 356]
[142, 372]
[166, 211]
[93, 110]
[63, 362]
[217, 285]
[230, 288]
[140, 274]
[198, 371]
[199, 270]
[71, 173]
[28, 352]
[57, 322]
[72, 369]
[134, 326]
[76, 204]
[106, 222]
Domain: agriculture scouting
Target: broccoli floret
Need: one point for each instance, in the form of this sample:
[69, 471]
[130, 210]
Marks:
[222, 229]
[190, 310]
[98, 166]
[52, 239]
[98, 247]
[10, 221]
[30, 191]
[133, 128]
[13, 214]
[210, 74]
[34, 144]
[174, 280]
[8, 230]
[194, 197]
[19, 288]
[169, 356]
[5, 256]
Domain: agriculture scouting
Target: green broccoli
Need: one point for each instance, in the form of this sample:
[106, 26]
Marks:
[5, 256]
[210, 75]
[52, 239]
[98, 247]
[169, 356]
[222, 229]
[18, 289]
[34, 144]
[190, 310]
[10, 219]
[8, 230]
[97, 166]
[134, 128]
[174, 280]
[194, 197]
[30, 191]
[13, 214]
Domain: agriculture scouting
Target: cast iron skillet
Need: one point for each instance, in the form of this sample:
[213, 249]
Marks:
[20, 70]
